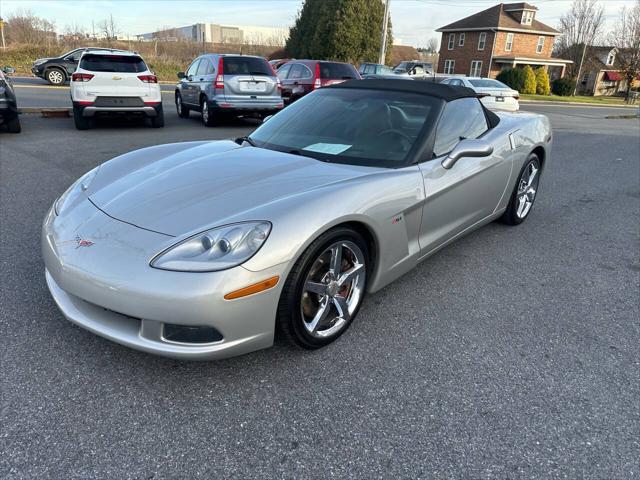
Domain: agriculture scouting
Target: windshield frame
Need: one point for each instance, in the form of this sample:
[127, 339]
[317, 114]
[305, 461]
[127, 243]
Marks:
[417, 151]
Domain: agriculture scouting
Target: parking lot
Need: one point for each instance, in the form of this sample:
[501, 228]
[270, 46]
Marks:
[513, 353]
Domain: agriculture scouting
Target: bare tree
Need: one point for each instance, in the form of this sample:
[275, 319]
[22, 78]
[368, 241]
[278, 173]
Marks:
[432, 45]
[626, 38]
[109, 28]
[580, 26]
[24, 27]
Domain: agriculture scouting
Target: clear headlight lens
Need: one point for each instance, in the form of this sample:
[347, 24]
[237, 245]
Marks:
[76, 188]
[39, 61]
[216, 249]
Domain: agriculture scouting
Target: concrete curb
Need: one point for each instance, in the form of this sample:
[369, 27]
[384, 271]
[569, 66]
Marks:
[48, 111]
[576, 104]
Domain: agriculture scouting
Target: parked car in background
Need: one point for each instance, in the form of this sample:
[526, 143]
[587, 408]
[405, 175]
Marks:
[114, 83]
[493, 94]
[377, 70]
[414, 68]
[277, 63]
[224, 85]
[300, 77]
[58, 70]
[8, 102]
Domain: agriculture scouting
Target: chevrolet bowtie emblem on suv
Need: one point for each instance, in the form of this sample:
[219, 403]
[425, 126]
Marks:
[81, 242]
[116, 77]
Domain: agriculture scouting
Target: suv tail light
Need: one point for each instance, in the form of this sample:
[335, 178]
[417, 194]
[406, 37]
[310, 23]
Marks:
[148, 78]
[81, 77]
[317, 83]
[219, 84]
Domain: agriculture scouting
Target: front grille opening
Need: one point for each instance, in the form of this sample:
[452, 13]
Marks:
[190, 334]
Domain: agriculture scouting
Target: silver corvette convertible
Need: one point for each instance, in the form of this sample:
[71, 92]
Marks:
[204, 250]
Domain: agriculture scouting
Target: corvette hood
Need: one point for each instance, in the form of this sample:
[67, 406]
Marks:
[199, 185]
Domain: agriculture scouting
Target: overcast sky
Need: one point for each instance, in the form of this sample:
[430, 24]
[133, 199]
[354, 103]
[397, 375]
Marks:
[414, 21]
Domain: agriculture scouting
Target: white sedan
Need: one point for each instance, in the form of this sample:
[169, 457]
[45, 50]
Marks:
[493, 94]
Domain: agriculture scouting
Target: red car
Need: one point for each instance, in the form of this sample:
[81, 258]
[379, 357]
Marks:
[299, 77]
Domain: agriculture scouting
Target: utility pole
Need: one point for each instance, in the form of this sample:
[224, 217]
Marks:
[2, 32]
[385, 27]
[584, 50]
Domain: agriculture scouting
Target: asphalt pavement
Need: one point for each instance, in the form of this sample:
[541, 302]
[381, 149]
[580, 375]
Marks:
[513, 353]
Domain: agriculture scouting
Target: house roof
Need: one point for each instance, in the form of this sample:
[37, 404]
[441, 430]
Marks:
[499, 18]
[595, 55]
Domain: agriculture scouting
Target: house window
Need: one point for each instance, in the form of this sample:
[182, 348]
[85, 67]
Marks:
[509, 44]
[461, 41]
[482, 40]
[476, 68]
[540, 45]
[449, 66]
[611, 58]
[452, 40]
[527, 17]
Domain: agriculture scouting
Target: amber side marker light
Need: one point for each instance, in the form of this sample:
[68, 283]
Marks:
[253, 288]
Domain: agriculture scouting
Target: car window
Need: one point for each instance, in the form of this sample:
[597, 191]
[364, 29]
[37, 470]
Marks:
[418, 70]
[462, 118]
[74, 56]
[384, 70]
[205, 67]
[113, 63]
[352, 126]
[246, 66]
[337, 71]
[487, 83]
[299, 72]
[368, 69]
[193, 68]
[283, 70]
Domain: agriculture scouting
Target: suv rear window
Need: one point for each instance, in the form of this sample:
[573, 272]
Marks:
[340, 71]
[113, 63]
[246, 66]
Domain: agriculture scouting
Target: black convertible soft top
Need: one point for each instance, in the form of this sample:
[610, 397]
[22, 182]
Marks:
[445, 92]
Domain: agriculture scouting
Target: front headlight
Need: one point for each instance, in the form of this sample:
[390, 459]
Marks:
[40, 61]
[76, 188]
[216, 249]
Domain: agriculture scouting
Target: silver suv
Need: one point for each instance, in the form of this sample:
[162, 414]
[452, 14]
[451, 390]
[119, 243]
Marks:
[224, 85]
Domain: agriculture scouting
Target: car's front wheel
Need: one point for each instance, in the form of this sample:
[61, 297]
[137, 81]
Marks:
[55, 76]
[325, 289]
[524, 193]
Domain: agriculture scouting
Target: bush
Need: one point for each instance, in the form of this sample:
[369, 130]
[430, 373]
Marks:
[563, 87]
[542, 82]
[514, 77]
[529, 81]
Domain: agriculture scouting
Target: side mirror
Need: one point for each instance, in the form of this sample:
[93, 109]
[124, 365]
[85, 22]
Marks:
[181, 75]
[467, 148]
[8, 70]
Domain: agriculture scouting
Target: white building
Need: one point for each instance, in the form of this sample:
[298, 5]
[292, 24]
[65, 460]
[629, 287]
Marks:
[214, 33]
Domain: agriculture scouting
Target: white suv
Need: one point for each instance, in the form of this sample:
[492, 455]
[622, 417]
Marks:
[111, 83]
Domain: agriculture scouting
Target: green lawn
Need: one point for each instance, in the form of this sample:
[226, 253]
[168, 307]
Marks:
[576, 99]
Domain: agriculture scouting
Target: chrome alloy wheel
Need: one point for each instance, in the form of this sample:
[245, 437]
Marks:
[55, 77]
[205, 112]
[179, 104]
[527, 188]
[333, 289]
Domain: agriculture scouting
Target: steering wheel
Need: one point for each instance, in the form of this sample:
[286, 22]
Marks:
[393, 131]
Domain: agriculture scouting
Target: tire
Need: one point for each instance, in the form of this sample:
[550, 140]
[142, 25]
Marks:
[13, 125]
[82, 123]
[158, 121]
[55, 76]
[183, 112]
[208, 119]
[312, 318]
[524, 192]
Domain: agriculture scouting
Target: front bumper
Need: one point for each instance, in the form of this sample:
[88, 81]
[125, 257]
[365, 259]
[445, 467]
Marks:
[38, 71]
[110, 289]
[8, 109]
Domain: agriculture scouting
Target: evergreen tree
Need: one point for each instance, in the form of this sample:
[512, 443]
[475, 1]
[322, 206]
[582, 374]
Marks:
[529, 81]
[343, 30]
[543, 87]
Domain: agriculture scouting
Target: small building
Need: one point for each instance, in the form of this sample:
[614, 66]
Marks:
[601, 73]
[504, 36]
[199, 32]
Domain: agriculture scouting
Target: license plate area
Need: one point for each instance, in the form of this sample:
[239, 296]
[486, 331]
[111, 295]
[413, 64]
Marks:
[499, 99]
[118, 102]
[253, 86]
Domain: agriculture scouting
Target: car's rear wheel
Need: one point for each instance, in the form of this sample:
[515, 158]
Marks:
[325, 289]
[158, 121]
[55, 76]
[208, 118]
[82, 123]
[524, 193]
[13, 125]
[183, 112]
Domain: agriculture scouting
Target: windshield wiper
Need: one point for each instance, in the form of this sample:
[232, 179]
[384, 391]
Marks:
[301, 153]
[247, 139]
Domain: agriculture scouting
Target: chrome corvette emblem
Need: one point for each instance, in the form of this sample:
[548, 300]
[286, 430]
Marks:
[81, 242]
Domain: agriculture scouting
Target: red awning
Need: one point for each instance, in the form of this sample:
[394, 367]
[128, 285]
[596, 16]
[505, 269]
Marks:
[612, 76]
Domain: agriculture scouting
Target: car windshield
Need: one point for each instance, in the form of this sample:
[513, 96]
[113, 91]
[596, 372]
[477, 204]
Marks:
[384, 70]
[487, 83]
[354, 126]
[337, 70]
[113, 63]
[246, 66]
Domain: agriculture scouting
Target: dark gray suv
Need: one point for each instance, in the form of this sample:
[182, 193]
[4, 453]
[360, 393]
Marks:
[224, 85]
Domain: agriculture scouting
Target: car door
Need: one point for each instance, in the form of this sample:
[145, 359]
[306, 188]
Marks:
[282, 73]
[70, 62]
[296, 80]
[203, 78]
[457, 198]
[189, 94]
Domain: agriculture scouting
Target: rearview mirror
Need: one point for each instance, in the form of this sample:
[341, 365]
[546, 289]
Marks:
[467, 148]
[181, 75]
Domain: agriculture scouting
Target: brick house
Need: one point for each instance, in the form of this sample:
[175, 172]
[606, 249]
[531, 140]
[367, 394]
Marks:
[503, 36]
[601, 73]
